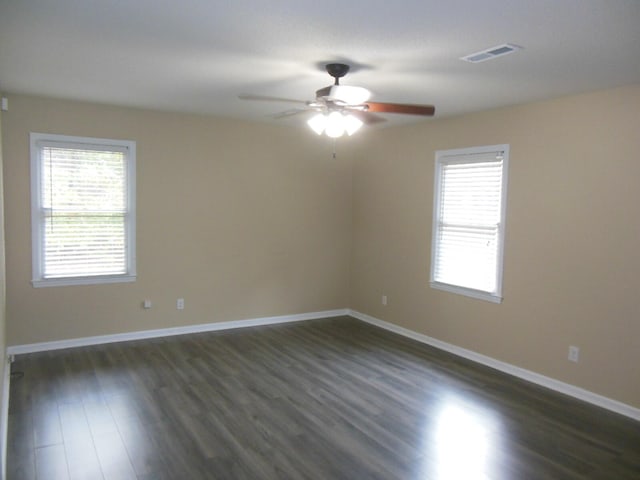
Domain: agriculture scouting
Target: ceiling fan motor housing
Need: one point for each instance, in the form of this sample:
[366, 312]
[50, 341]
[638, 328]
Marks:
[344, 94]
[337, 70]
[347, 95]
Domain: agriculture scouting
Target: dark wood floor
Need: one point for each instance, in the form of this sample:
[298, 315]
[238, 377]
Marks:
[325, 399]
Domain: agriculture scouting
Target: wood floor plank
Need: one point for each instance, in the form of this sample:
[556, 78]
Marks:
[99, 418]
[178, 450]
[82, 460]
[75, 428]
[46, 425]
[51, 463]
[113, 457]
[21, 461]
[324, 399]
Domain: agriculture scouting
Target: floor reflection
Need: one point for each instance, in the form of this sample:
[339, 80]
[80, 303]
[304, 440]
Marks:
[462, 443]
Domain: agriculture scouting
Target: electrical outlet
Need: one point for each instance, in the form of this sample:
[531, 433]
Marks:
[146, 304]
[574, 353]
[180, 304]
[384, 300]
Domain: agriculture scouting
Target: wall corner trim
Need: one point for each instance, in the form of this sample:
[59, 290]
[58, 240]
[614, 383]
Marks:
[528, 375]
[167, 332]
[4, 417]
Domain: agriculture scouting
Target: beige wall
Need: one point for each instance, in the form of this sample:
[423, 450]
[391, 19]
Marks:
[572, 268]
[241, 220]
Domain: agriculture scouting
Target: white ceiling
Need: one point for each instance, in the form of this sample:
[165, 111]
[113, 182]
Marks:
[199, 55]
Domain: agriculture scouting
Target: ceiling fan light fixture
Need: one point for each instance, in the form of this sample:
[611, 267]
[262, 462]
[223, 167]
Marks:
[318, 123]
[351, 124]
[335, 125]
[341, 109]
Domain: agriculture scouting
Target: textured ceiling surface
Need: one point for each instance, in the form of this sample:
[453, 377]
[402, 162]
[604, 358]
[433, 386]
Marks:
[199, 55]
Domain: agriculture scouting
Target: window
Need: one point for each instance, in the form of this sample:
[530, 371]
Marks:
[468, 221]
[82, 210]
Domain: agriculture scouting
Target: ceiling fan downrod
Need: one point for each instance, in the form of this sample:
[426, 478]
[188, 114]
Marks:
[337, 71]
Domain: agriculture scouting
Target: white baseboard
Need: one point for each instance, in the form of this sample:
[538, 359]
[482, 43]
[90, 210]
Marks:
[167, 332]
[548, 382]
[4, 417]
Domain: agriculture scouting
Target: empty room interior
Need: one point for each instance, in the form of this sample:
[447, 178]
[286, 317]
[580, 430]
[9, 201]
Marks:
[438, 280]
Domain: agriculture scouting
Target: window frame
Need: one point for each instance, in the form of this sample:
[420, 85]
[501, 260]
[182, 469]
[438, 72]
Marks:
[37, 142]
[443, 157]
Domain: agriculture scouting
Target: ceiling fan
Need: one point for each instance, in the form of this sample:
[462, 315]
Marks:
[344, 108]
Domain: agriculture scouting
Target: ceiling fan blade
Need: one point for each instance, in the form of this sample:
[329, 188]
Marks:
[269, 99]
[378, 107]
[290, 113]
[367, 118]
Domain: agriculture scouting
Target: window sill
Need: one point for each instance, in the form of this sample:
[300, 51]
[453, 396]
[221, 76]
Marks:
[70, 281]
[468, 292]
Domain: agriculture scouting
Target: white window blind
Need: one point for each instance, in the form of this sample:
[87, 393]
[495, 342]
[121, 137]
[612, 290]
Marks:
[82, 210]
[468, 227]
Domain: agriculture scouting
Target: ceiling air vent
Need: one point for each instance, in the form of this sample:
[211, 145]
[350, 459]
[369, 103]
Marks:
[490, 53]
